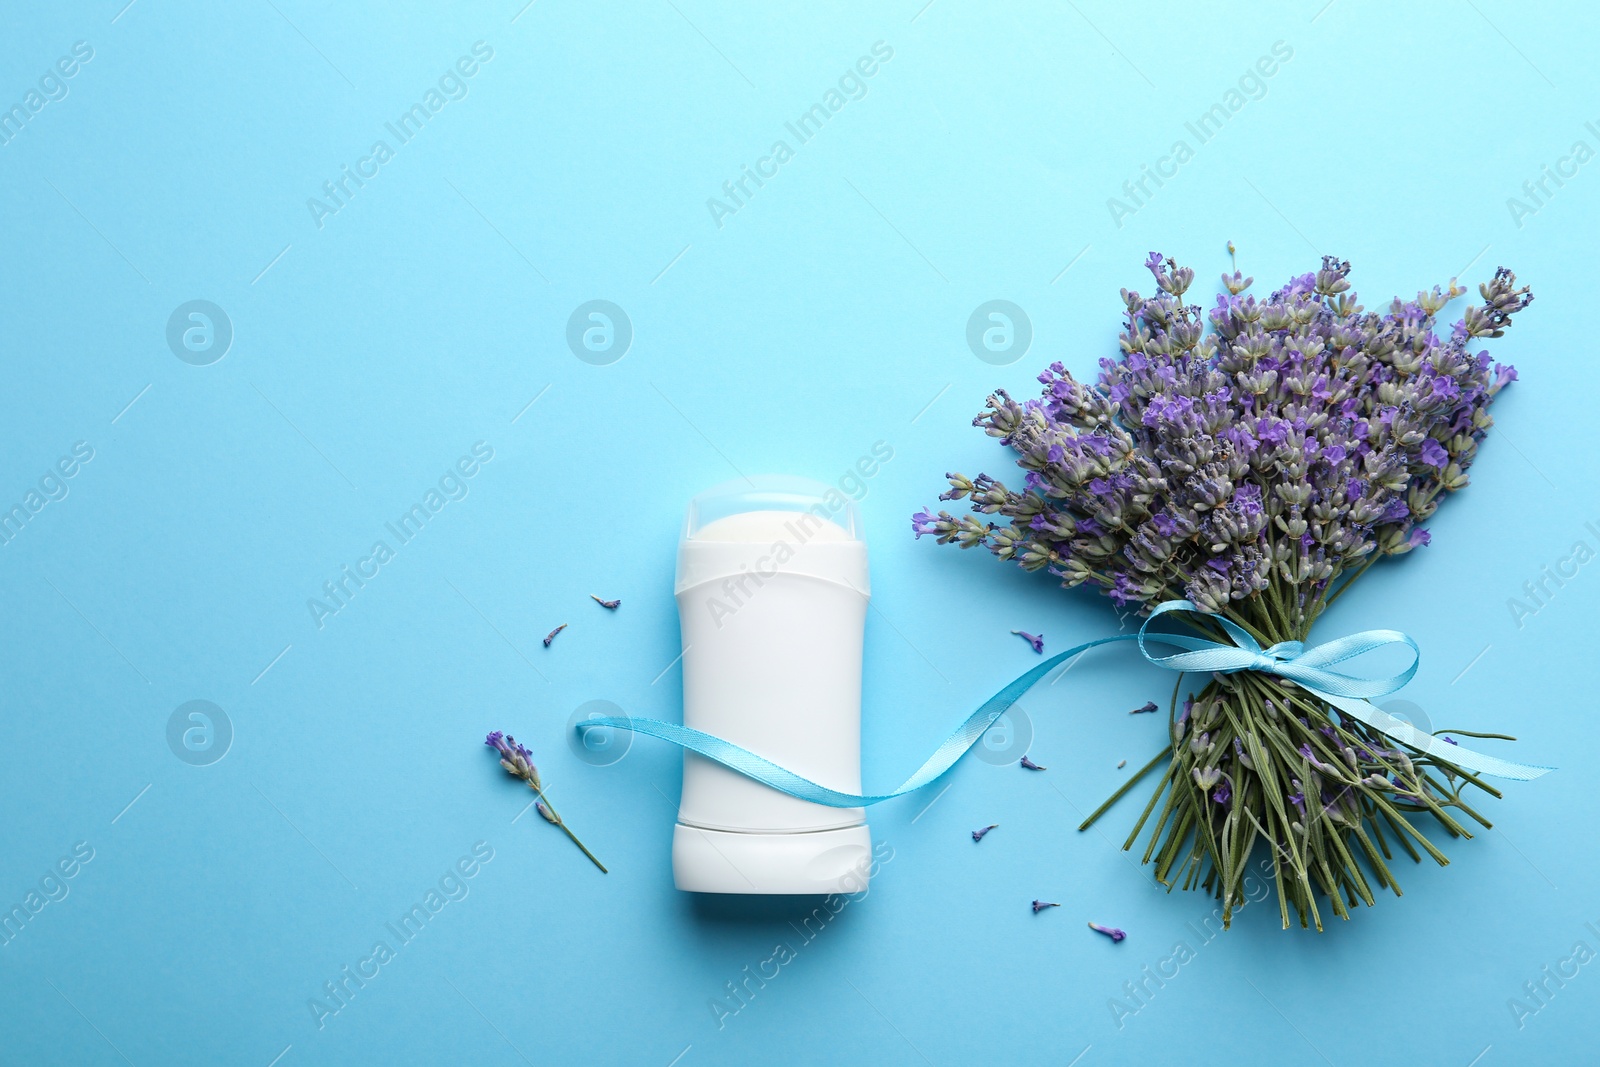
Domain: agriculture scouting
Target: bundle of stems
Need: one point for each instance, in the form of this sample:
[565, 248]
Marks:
[1255, 759]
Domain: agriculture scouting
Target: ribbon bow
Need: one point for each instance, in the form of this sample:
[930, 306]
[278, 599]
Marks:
[1286, 659]
[1306, 667]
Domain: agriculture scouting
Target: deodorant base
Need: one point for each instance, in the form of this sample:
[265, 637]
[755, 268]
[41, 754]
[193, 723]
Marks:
[825, 861]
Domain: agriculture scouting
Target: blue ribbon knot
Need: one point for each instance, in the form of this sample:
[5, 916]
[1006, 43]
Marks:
[1308, 668]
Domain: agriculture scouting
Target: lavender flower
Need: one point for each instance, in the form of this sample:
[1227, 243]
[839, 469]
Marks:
[514, 757]
[1029, 764]
[1144, 709]
[1040, 905]
[551, 636]
[518, 762]
[978, 835]
[1297, 439]
[1254, 458]
[1110, 931]
[609, 605]
[1036, 640]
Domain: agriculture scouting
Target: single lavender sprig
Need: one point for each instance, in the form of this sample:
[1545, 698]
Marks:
[518, 762]
[1110, 931]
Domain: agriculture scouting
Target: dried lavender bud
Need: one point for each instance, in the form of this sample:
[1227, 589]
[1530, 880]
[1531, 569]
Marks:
[551, 636]
[1145, 708]
[514, 757]
[1110, 931]
[978, 835]
[1040, 905]
[1029, 764]
[610, 605]
[1036, 640]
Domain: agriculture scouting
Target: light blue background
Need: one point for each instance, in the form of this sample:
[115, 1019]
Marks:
[827, 314]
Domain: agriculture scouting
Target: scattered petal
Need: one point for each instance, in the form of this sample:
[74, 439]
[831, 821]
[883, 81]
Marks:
[551, 636]
[1036, 640]
[611, 605]
[1040, 905]
[1121, 764]
[1030, 765]
[1147, 707]
[977, 835]
[1110, 931]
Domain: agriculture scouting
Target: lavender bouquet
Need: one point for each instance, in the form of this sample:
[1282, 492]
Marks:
[1256, 470]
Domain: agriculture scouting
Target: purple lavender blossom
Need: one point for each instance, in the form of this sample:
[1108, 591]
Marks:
[980, 833]
[551, 636]
[1029, 764]
[514, 757]
[1036, 640]
[1040, 905]
[1110, 931]
[1145, 708]
[1297, 438]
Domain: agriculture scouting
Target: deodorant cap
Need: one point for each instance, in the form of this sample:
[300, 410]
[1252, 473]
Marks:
[769, 525]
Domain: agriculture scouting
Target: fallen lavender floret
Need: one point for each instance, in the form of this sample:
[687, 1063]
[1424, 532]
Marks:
[551, 636]
[1145, 708]
[1110, 931]
[978, 835]
[1040, 905]
[1036, 640]
[1029, 764]
[610, 605]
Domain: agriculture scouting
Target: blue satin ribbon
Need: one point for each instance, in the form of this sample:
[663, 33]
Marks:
[1307, 668]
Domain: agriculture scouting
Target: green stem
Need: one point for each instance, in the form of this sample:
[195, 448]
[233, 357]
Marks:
[1326, 604]
[1164, 756]
[555, 817]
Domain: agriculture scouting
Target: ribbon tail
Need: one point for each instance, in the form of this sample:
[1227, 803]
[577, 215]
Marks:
[784, 780]
[1406, 734]
[738, 759]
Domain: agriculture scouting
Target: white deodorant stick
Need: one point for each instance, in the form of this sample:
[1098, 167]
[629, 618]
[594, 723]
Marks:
[772, 595]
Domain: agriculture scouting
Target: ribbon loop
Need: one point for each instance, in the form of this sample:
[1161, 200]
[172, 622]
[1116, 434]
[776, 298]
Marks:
[1307, 667]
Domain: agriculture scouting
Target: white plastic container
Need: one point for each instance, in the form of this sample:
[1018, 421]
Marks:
[772, 595]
